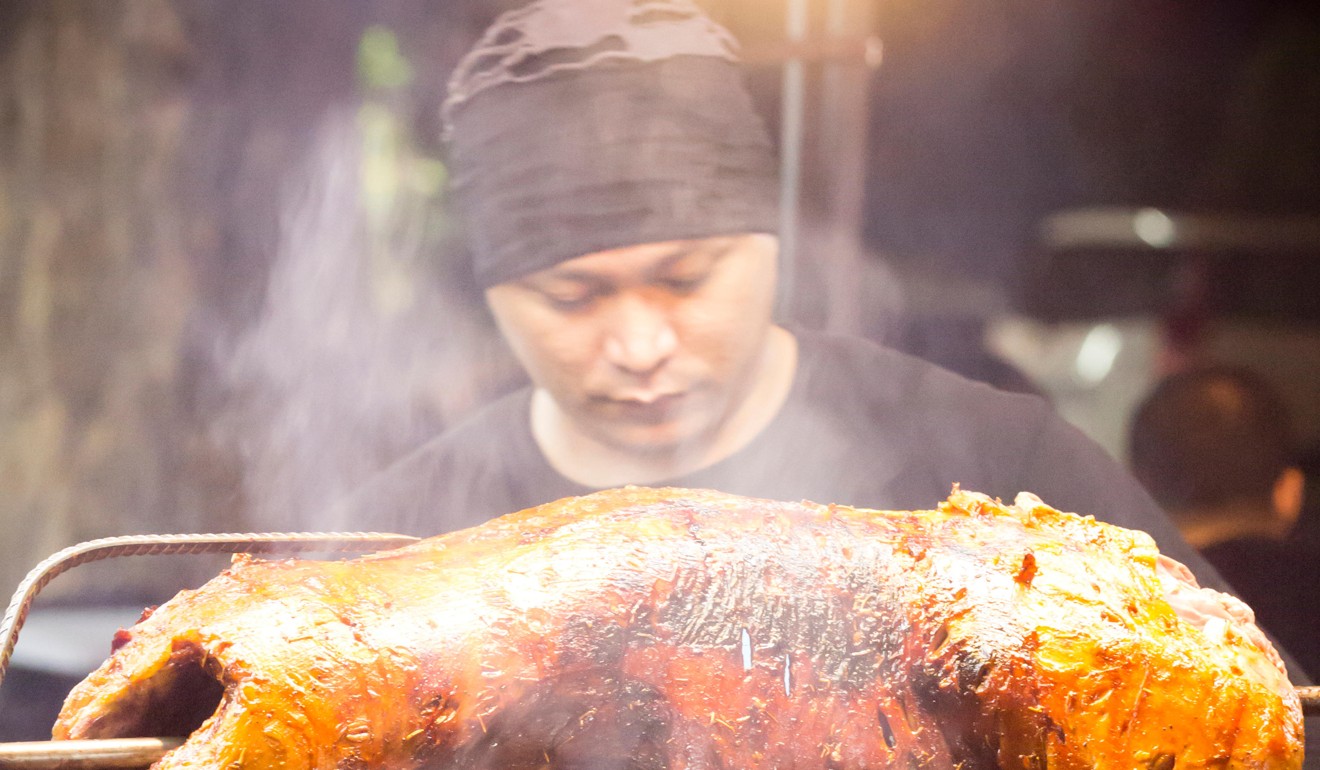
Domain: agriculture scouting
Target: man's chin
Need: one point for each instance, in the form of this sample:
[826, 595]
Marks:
[662, 442]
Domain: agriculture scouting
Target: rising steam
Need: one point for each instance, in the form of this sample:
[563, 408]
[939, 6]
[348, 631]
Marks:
[361, 350]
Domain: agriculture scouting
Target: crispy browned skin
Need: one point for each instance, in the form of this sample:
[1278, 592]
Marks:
[677, 629]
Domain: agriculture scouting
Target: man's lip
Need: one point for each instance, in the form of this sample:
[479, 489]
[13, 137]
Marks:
[645, 398]
[646, 407]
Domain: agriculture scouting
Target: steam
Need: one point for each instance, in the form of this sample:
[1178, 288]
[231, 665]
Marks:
[361, 351]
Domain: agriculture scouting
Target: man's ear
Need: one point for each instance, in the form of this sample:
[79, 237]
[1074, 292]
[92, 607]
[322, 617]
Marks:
[1288, 493]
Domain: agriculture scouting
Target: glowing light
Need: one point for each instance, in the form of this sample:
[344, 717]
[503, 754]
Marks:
[1155, 228]
[1096, 355]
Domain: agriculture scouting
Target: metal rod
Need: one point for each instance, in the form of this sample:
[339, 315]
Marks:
[85, 755]
[790, 143]
[1310, 697]
[163, 545]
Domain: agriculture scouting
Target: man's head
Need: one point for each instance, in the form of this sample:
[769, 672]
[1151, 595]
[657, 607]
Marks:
[619, 193]
[1217, 440]
[580, 126]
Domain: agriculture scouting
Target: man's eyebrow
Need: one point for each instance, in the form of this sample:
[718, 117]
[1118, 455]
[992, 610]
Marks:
[560, 274]
[702, 247]
[678, 251]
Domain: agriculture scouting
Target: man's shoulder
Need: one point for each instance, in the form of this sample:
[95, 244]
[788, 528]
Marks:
[844, 368]
[474, 441]
[447, 482]
[932, 423]
[488, 431]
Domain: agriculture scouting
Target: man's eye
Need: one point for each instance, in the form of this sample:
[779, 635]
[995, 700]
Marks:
[569, 300]
[684, 284]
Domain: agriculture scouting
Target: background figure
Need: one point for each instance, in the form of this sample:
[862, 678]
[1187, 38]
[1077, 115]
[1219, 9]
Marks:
[1214, 446]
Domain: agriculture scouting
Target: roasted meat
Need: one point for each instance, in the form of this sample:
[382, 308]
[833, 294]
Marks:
[668, 628]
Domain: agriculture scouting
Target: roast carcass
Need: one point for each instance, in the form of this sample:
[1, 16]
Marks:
[672, 628]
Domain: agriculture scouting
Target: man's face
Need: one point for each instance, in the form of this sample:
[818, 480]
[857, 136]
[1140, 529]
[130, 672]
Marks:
[647, 348]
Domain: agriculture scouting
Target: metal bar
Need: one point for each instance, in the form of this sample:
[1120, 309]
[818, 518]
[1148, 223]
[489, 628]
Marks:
[161, 545]
[835, 171]
[1310, 697]
[790, 150]
[85, 755]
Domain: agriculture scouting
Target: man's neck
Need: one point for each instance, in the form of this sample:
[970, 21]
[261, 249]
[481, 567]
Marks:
[587, 461]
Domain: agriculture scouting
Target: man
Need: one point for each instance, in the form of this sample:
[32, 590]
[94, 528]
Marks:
[1214, 446]
[620, 197]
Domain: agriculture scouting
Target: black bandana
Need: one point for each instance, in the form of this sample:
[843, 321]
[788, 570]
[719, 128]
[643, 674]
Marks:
[616, 153]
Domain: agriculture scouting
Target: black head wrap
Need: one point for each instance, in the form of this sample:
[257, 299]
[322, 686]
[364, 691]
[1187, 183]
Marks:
[577, 126]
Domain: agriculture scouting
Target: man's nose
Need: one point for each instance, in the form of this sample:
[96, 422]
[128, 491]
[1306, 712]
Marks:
[641, 336]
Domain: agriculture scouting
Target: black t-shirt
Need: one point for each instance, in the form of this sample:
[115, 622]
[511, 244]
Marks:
[863, 425]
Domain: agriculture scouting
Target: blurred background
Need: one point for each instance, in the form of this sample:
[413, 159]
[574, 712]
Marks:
[230, 290]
